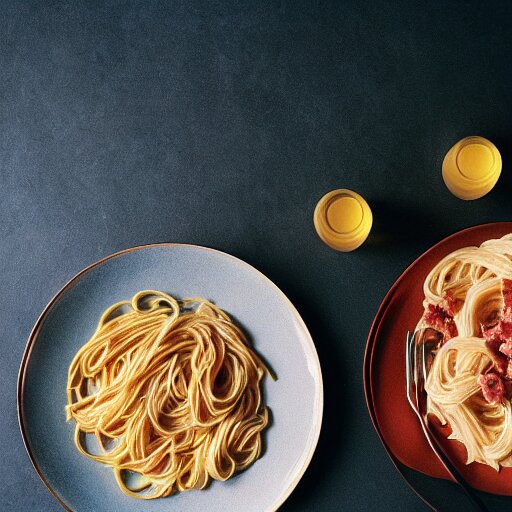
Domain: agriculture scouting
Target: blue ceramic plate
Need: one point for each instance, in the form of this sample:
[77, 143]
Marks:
[273, 324]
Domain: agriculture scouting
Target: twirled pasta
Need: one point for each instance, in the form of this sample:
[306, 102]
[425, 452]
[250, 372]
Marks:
[464, 298]
[170, 391]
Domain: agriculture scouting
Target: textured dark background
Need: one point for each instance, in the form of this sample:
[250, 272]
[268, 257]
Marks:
[222, 124]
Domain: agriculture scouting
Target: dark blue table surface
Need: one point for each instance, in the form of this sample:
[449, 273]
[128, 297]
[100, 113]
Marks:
[222, 124]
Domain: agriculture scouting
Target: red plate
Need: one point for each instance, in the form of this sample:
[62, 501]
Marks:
[384, 371]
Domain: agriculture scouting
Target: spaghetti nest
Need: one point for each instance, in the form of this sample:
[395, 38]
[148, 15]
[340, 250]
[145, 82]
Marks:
[170, 390]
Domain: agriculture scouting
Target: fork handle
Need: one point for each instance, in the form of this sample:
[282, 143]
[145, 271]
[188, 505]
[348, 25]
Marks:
[450, 467]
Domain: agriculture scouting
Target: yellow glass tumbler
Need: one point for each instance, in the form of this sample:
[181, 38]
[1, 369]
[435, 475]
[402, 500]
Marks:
[472, 167]
[343, 219]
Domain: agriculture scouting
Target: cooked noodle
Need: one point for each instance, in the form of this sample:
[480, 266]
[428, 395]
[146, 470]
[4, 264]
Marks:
[472, 281]
[170, 391]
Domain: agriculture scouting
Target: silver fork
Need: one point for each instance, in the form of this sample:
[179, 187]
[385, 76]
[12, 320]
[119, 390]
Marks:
[418, 359]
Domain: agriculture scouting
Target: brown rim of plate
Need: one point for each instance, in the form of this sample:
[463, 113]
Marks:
[319, 396]
[370, 345]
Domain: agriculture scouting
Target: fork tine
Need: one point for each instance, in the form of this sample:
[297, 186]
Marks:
[424, 356]
[409, 369]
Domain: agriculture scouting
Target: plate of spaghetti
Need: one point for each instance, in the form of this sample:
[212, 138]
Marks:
[170, 377]
[458, 295]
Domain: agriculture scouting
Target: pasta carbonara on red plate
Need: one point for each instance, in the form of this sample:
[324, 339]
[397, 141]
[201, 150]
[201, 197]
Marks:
[468, 308]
